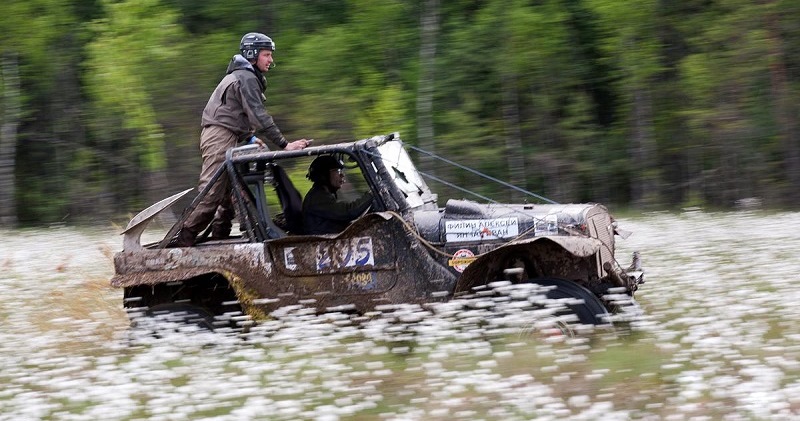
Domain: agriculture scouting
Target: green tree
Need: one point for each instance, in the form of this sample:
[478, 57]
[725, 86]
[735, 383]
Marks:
[521, 87]
[34, 40]
[11, 110]
[650, 103]
[741, 98]
[430, 28]
[337, 75]
[780, 18]
[632, 46]
[136, 56]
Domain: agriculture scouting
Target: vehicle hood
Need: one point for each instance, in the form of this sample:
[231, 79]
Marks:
[468, 221]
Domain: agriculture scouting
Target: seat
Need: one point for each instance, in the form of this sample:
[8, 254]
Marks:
[290, 198]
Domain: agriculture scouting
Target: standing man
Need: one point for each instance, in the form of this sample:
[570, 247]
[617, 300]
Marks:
[323, 213]
[234, 113]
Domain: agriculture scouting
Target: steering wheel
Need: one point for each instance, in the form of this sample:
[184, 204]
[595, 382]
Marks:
[371, 206]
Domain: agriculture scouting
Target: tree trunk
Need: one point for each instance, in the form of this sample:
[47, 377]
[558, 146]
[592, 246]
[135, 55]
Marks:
[87, 196]
[642, 150]
[429, 24]
[728, 175]
[8, 139]
[784, 111]
[513, 135]
[157, 187]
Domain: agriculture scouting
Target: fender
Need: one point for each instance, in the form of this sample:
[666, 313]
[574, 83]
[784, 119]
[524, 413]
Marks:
[478, 271]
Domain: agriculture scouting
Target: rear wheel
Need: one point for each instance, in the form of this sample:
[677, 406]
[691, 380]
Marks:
[208, 302]
[181, 314]
[578, 300]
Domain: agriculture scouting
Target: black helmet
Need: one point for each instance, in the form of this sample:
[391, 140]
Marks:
[321, 166]
[253, 42]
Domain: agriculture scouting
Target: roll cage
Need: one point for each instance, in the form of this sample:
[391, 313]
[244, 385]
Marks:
[250, 169]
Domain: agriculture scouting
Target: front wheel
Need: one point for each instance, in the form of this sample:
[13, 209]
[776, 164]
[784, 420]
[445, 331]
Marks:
[578, 300]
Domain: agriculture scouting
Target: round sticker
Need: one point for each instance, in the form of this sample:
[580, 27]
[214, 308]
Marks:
[461, 259]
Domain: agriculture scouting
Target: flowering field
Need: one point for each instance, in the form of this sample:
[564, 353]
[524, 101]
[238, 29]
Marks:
[719, 339]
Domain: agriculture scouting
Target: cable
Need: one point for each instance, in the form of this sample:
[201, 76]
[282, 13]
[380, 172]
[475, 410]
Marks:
[478, 173]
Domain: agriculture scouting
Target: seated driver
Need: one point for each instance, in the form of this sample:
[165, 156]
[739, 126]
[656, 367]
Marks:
[323, 213]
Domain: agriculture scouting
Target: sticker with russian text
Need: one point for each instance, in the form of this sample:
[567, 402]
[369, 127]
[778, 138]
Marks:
[481, 229]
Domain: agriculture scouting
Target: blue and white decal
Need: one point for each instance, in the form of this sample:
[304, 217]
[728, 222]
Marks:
[288, 258]
[345, 253]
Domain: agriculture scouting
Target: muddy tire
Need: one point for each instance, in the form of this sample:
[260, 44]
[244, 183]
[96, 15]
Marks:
[590, 312]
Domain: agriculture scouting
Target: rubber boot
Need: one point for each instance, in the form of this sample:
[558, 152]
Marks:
[185, 238]
[221, 230]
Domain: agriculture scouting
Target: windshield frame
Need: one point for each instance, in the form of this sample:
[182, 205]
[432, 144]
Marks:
[405, 175]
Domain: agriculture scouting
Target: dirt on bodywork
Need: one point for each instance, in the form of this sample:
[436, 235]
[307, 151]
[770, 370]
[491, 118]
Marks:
[406, 249]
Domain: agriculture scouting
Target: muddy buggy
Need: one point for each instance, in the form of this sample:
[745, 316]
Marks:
[404, 249]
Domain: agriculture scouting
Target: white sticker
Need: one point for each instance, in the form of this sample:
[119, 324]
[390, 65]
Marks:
[481, 229]
[288, 258]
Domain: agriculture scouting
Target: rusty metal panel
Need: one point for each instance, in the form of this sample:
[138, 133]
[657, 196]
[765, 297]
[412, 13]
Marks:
[173, 264]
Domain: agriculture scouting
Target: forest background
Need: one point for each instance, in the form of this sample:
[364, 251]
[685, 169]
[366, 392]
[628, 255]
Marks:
[647, 104]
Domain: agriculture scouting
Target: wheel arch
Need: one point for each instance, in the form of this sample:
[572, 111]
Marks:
[550, 257]
[210, 290]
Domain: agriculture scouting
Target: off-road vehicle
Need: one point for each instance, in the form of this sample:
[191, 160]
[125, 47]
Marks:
[404, 249]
